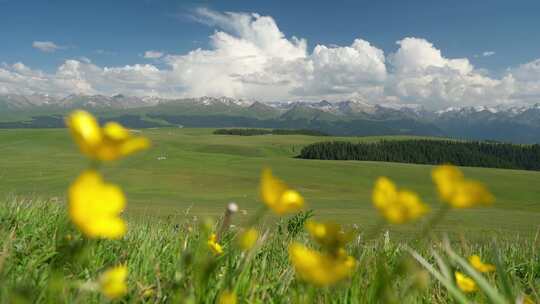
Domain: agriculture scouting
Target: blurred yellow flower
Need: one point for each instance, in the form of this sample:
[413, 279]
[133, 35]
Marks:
[111, 142]
[227, 297]
[94, 206]
[148, 293]
[278, 196]
[477, 263]
[214, 246]
[320, 269]
[248, 238]
[527, 300]
[459, 192]
[329, 235]
[465, 283]
[397, 206]
[113, 282]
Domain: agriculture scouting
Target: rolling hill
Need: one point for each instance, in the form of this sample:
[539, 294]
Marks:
[194, 169]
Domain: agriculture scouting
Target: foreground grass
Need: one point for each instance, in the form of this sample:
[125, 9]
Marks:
[45, 260]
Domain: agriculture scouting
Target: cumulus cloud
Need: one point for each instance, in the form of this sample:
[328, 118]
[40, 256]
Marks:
[20, 79]
[488, 53]
[421, 74]
[341, 71]
[417, 55]
[46, 46]
[82, 77]
[153, 54]
[527, 79]
[250, 57]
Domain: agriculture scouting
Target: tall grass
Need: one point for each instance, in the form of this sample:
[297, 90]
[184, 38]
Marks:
[43, 259]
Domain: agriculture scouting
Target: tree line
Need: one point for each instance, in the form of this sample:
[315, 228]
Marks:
[433, 152]
[252, 132]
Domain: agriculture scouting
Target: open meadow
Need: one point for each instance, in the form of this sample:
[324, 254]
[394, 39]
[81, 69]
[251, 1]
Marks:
[180, 247]
[196, 170]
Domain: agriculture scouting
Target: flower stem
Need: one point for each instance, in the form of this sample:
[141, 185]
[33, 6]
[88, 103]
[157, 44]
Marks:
[257, 217]
[372, 233]
[94, 164]
[434, 221]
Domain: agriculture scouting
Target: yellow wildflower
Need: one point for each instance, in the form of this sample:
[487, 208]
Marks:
[527, 300]
[214, 246]
[397, 206]
[111, 142]
[458, 191]
[477, 263]
[227, 297]
[320, 269]
[148, 293]
[278, 196]
[95, 206]
[248, 238]
[113, 282]
[329, 235]
[465, 283]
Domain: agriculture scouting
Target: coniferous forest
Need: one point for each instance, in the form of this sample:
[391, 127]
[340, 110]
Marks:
[473, 154]
[254, 131]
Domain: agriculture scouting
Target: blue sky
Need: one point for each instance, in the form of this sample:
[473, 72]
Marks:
[126, 29]
[118, 33]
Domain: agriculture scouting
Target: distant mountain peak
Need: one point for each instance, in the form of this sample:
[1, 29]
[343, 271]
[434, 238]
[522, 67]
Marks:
[345, 107]
[505, 122]
[208, 101]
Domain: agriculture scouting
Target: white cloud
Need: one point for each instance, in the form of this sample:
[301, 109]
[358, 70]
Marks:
[153, 54]
[528, 72]
[83, 77]
[416, 55]
[342, 71]
[250, 57]
[68, 79]
[527, 78]
[46, 46]
[488, 53]
[421, 74]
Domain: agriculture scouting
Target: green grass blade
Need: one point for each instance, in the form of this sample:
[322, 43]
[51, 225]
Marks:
[490, 291]
[452, 289]
[503, 276]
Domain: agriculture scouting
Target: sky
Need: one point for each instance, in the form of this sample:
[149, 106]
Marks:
[435, 53]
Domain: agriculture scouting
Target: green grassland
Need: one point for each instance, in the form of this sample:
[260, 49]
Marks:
[196, 170]
[44, 259]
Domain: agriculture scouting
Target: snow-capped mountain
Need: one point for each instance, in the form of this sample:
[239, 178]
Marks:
[209, 101]
[519, 123]
[341, 108]
[523, 113]
[15, 101]
[350, 107]
[118, 101]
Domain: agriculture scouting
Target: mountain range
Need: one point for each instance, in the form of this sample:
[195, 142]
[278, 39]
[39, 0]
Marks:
[519, 124]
